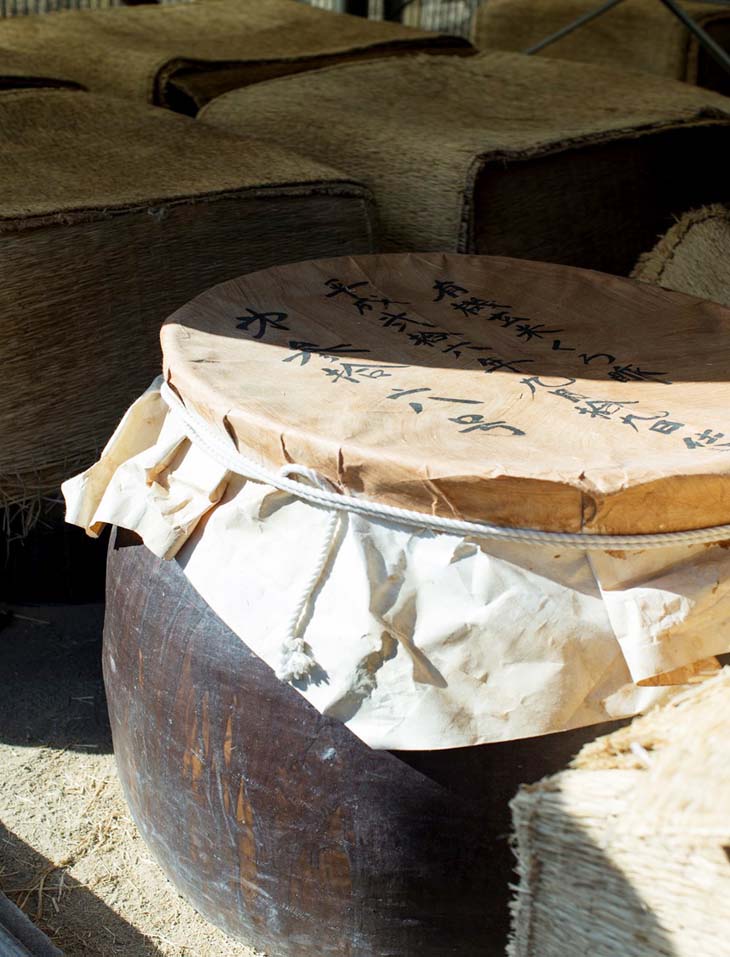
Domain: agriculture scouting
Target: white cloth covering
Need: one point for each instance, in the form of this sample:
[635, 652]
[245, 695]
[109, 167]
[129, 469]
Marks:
[414, 639]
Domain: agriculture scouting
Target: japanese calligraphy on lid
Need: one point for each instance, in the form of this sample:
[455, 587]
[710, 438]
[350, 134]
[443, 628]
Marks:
[499, 390]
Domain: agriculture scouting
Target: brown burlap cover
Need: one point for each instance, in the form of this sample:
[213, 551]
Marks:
[635, 35]
[501, 153]
[111, 216]
[627, 854]
[182, 55]
[693, 257]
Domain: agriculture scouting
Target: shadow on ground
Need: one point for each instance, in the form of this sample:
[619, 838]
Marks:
[36, 885]
[51, 689]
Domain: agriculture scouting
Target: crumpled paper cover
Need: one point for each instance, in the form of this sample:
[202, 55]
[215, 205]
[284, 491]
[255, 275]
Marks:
[419, 640]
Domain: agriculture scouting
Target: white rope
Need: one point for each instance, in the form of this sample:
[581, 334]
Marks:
[213, 443]
[296, 659]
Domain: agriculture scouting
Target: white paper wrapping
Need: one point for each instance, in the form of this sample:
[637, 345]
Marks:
[416, 639]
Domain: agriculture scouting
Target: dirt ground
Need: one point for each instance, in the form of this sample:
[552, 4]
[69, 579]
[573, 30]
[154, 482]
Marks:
[70, 855]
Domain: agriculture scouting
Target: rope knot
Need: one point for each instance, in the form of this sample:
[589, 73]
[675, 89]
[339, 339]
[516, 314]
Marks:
[296, 661]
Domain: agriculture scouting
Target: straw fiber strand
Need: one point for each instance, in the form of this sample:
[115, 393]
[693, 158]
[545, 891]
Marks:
[693, 257]
[131, 213]
[139, 52]
[635, 35]
[440, 140]
[624, 854]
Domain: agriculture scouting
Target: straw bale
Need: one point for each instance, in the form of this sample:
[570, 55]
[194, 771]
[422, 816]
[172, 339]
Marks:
[626, 853]
[181, 55]
[17, 72]
[113, 215]
[501, 153]
[693, 256]
[635, 35]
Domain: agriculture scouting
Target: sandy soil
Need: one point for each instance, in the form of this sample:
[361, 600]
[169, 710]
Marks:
[70, 855]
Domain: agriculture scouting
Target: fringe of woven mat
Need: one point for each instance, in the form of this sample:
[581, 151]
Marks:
[27, 499]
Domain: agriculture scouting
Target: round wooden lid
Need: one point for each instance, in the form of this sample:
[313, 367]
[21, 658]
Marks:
[475, 387]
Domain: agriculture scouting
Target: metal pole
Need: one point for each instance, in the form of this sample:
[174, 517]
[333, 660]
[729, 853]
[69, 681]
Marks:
[581, 21]
[718, 54]
[713, 48]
